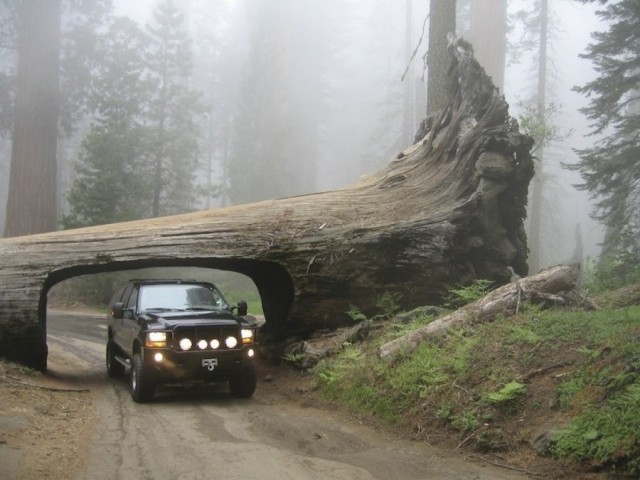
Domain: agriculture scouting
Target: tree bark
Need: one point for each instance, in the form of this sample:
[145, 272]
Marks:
[31, 204]
[442, 22]
[447, 210]
[505, 300]
[538, 184]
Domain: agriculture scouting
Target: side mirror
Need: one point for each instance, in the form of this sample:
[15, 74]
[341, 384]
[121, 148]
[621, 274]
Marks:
[117, 311]
[242, 308]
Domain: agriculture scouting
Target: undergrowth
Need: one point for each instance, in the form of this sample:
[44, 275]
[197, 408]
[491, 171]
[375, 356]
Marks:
[478, 383]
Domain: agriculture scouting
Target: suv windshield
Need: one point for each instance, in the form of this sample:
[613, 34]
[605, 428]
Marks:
[180, 297]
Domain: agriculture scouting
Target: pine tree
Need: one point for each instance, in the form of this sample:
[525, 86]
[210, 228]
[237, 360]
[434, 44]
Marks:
[111, 181]
[611, 168]
[173, 110]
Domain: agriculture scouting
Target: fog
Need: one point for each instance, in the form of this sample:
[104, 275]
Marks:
[302, 96]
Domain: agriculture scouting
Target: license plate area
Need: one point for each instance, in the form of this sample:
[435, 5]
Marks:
[210, 363]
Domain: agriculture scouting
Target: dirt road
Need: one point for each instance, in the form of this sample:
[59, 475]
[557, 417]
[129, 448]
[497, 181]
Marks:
[207, 434]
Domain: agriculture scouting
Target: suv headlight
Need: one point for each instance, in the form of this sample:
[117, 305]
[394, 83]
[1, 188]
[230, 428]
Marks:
[156, 340]
[247, 335]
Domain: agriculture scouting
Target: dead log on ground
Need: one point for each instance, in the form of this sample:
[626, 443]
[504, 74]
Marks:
[307, 353]
[543, 287]
[447, 210]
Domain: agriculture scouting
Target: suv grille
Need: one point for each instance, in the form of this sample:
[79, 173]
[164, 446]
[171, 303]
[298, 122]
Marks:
[208, 333]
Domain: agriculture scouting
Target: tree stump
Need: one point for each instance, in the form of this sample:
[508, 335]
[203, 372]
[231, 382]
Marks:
[448, 210]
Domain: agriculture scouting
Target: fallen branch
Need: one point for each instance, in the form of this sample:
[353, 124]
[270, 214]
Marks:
[511, 467]
[539, 371]
[542, 287]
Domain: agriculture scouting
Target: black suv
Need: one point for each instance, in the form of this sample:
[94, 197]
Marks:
[179, 332]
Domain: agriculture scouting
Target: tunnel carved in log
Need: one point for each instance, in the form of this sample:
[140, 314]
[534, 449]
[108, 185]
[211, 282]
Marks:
[449, 209]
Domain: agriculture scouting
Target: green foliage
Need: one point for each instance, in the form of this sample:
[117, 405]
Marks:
[466, 422]
[461, 295]
[511, 391]
[140, 155]
[398, 329]
[610, 170]
[90, 290]
[606, 434]
[350, 379]
[252, 297]
[107, 188]
[540, 125]
[611, 272]
[387, 304]
[293, 358]
[173, 112]
[524, 334]
[463, 381]
[29, 371]
[355, 314]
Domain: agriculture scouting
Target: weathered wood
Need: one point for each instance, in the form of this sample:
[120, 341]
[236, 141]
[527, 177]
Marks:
[447, 210]
[505, 300]
[306, 354]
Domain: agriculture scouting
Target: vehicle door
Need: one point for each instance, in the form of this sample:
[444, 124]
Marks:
[118, 323]
[130, 326]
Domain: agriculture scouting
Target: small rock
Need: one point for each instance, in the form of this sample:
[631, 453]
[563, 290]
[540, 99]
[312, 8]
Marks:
[543, 441]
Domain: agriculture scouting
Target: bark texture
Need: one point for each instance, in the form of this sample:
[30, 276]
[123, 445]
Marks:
[31, 203]
[442, 22]
[447, 210]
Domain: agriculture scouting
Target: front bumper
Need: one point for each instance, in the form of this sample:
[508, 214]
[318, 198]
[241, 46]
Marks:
[186, 367]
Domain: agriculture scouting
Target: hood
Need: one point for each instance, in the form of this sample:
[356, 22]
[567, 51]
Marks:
[169, 320]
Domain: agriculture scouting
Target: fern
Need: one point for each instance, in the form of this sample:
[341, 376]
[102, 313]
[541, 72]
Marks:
[459, 296]
[509, 392]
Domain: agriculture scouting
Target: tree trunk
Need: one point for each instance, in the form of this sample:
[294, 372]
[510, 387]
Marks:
[442, 22]
[31, 204]
[488, 36]
[447, 210]
[538, 184]
[505, 300]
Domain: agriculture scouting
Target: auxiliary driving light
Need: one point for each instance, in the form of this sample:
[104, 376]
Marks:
[250, 353]
[158, 357]
[231, 342]
[185, 344]
[202, 344]
[215, 344]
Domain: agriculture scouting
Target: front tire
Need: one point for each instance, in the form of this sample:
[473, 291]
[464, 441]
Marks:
[114, 368]
[143, 385]
[244, 383]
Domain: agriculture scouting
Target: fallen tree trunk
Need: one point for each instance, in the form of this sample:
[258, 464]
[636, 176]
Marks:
[447, 210]
[544, 287]
[306, 354]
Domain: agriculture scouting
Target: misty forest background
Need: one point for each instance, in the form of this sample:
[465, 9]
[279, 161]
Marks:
[164, 107]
